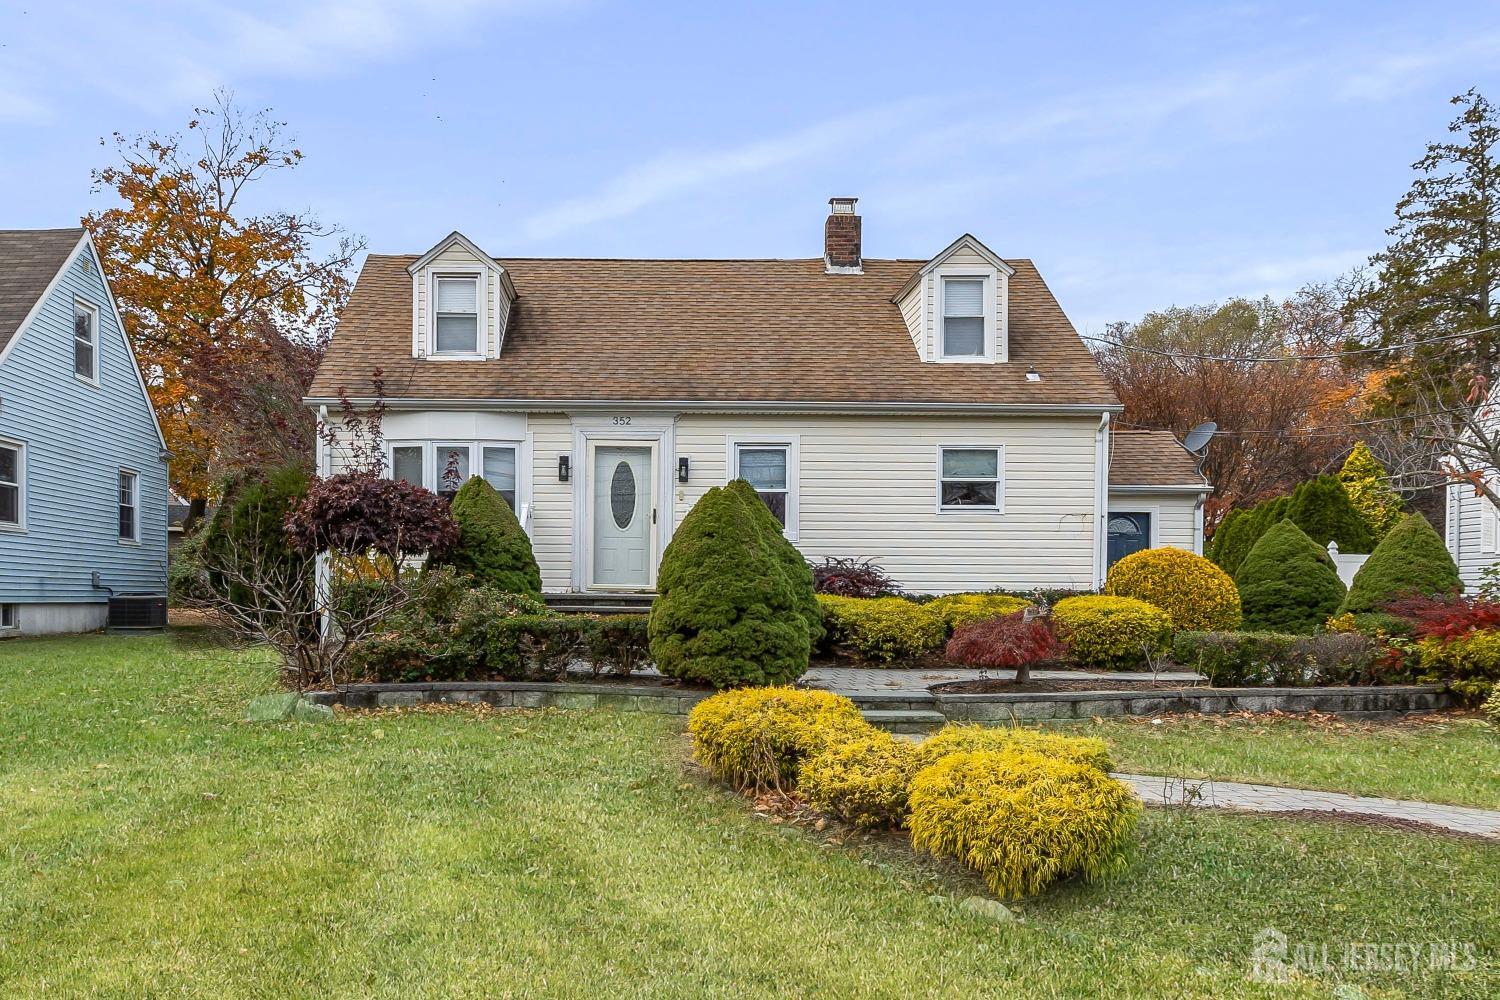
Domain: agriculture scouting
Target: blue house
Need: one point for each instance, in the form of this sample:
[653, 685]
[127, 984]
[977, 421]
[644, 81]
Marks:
[83, 465]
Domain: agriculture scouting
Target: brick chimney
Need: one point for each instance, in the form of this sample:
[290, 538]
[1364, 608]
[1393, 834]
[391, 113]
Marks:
[842, 253]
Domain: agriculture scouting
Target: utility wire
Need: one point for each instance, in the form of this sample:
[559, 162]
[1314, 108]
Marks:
[1289, 358]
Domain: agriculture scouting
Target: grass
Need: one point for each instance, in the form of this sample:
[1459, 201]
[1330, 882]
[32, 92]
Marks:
[151, 843]
[1449, 759]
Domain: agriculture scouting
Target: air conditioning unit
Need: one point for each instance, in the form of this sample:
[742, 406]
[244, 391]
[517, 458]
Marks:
[137, 612]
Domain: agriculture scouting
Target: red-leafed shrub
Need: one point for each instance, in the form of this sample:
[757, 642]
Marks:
[852, 578]
[355, 513]
[1015, 640]
[1445, 617]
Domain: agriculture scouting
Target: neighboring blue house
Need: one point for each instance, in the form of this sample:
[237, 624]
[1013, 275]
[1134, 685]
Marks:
[83, 465]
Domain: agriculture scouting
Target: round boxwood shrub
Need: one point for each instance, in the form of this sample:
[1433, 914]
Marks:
[759, 737]
[883, 629]
[492, 547]
[1112, 632]
[1022, 820]
[960, 609]
[960, 737]
[1194, 592]
[1288, 583]
[725, 613]
[798, 573]
[1410, 561]
[1321, 508]
[862, 780]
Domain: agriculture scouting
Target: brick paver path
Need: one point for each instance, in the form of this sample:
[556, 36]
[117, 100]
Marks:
[1158, 790]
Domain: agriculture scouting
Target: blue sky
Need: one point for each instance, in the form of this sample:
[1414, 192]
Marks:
[1143, 154]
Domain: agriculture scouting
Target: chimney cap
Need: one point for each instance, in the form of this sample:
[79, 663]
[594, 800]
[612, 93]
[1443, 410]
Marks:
[842, 206]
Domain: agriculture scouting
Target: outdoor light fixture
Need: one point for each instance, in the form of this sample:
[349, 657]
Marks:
[564, 468]
[682, 469]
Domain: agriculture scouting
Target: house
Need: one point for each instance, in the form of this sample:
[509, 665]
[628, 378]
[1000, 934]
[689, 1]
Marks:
[83, 466]
[940, 416]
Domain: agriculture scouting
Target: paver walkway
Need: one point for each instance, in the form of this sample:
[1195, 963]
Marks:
[855, 681]
[1176, 791]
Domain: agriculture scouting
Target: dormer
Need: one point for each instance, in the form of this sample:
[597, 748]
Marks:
[461, 302]
[957, 305]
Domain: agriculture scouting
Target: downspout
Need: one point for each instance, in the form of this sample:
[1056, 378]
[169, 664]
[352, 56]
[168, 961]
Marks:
[1198, 524]
[1101, 497]
[321, 573]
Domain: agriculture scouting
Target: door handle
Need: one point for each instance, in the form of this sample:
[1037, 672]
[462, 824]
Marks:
[653, 515]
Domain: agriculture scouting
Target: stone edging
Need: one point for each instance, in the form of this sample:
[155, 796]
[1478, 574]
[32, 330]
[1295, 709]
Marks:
[515, 694]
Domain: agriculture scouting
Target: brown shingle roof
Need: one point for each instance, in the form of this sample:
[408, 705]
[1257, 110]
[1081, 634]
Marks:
[29, 258]
[1151, 458]
[706, 331]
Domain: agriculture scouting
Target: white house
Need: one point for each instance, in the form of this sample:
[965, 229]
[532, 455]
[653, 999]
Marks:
[940, 416]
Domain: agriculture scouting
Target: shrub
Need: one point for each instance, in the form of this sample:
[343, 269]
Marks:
[1491, 707]
[1369, 489]
[1445, 617]
[861, 780]
[355, 513]
[1470, 664]
[852, 578]
[1410, 561]
[759, 737]
[1288, 583]
[544, 645]
[1111, 631]
[1242, 659]
[492, 547]
[1238, 535]
[960, 609]
[793, 567]
[1021, 820]
[618, 644]
[883, 628]
[725, 614]
[1321, 508]
[968, 737]
[1009, 642]
[1194, 592]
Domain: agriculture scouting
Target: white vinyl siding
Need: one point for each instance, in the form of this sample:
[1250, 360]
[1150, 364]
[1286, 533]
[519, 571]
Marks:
[552, 500]
[1174, 516]
[1473, 534]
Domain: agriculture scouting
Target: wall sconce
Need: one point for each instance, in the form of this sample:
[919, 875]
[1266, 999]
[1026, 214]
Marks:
[682, 469]
[564, 467]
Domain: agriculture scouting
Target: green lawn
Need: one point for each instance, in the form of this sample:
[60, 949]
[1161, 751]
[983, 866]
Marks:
[1456, 760]
[155, 845]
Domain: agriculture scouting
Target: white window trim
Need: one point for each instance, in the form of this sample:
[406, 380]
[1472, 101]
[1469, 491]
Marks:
[793, 445]
[431, 471]
[1153, 512]
[938, 478]
[481, 304]
[18, 527]
[991, 319]
[135, 490]
[93, 311]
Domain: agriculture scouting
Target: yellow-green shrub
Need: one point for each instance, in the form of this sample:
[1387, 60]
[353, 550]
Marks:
[1470, 664]
[1020, 819]
[861, 780]
[759, 737]
[1199, 596]
[883, 628]
[960, 609]
[1105, 631]
[1491, 707]
[968, 737]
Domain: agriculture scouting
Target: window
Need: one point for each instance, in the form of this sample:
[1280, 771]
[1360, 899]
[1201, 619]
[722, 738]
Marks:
[456, 323]
[771, 468]
[451, 463]
[10, 617]
[451, 469]
[85, 341]
[129, 506]
[499, 470]
[963, 318]
[12, 489]
[970, 478]
[406, 463]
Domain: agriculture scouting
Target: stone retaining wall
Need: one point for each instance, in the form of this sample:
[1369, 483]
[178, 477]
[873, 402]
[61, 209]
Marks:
[1358, 702]
[516, 694]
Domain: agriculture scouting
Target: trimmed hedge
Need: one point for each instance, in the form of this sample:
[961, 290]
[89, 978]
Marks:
[758, 738]
[1288, 583]
[1189, 588]
[960, 609]
[1112, 632]
[960, 737]
[1410, 561]
[884, 628]
[861, 780]
[1248, 659]
[492, 547]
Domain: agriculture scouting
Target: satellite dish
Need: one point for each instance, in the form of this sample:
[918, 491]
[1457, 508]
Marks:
[1197, 439]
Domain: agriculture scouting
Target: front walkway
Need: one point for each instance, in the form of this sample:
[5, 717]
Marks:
[1175, 791]
[856, 681]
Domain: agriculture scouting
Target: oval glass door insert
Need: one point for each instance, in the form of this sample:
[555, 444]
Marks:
[622, 495]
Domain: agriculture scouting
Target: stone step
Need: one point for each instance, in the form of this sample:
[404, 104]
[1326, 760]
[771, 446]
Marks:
[905, 721]
[599, 603]
[600, 609]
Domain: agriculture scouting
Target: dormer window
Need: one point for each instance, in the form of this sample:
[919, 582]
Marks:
[963, 318]
[456, 315]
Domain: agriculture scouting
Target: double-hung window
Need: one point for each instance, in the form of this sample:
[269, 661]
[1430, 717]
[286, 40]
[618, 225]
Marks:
[455, 328]
[444, 466]
[130, 505]
[85, 341]
[10, 617]
[963, 318]
[971, 477]
[771, 468]
[12, 485]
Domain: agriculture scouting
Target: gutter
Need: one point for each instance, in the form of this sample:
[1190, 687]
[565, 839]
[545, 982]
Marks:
[719, 406]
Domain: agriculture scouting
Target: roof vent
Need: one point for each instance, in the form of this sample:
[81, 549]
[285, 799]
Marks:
[842, 252]
[1032, 375]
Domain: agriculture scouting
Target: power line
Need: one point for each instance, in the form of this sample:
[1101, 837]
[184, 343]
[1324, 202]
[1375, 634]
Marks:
[1290, 358]
[1297, 432]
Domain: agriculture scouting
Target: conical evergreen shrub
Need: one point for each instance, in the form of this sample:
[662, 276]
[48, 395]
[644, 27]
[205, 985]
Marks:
[1246, 531]
[492, 547]
[1321, 508]
[1411, 560]
[725, 613]
[1288, 583]
[798, 573]
[1369, 489]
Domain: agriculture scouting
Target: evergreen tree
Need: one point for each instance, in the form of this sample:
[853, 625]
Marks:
[492, 547]
[1411, 560]
[1247, 530]
[1288, 583]
[795, 568]
[1370, 491]
[1321, 508]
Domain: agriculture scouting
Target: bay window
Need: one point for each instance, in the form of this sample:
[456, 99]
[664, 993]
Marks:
[444, 466]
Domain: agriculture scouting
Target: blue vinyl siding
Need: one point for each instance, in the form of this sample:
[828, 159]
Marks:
[77, 439]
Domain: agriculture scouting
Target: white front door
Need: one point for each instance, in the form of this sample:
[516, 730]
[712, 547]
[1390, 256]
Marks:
[621, 522]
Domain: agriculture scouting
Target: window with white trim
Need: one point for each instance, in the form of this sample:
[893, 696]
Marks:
[770, 467]
[444, 466]
[452, 467]
[85, 341]
[12, 486]
[130, 505]
[455, 327]
[963, 332]
[971, 477]
[10, 617]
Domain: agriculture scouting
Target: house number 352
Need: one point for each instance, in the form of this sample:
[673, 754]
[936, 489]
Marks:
[622, 421]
